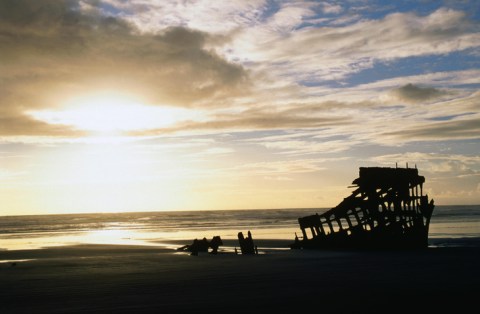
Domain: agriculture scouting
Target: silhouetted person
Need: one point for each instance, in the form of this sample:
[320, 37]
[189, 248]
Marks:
[215, 243]
[203, 246]
[246, 244]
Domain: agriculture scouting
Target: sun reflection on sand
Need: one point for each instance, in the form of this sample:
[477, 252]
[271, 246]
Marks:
[120, 236]
[43, 240]
[6, 261]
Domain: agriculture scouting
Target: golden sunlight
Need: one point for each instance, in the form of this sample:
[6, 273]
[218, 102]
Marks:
[106, 178]
[111, 113]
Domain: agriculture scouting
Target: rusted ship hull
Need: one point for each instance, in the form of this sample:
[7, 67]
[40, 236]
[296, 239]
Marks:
[386, 210]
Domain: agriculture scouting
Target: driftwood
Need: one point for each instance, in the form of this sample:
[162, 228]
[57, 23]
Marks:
[387, 209]
[203, 246]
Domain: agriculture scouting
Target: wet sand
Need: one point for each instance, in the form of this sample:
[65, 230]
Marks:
[134, 279]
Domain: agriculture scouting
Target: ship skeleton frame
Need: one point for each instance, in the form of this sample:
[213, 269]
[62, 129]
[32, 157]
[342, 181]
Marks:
[387, 209]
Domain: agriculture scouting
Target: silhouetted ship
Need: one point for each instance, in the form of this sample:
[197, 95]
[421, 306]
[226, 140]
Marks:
[386, 210]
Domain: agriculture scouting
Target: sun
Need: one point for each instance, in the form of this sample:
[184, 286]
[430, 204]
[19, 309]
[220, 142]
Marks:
[111, 113]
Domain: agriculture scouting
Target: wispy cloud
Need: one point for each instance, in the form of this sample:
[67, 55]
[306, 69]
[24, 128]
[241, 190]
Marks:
[466, 160]
[451, 177]
[254, 119]
[332, 53]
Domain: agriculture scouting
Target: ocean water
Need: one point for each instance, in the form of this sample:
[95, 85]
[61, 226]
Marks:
[450, 226]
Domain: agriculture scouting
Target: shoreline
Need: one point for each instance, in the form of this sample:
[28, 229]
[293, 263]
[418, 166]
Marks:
[265, 246]
[137, 279]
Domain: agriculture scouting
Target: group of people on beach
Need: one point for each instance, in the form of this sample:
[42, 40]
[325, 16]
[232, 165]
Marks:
[246, 245]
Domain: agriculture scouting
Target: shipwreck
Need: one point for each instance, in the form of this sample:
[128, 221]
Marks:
[387, 209]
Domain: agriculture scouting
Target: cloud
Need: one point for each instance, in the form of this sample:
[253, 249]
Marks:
[23, 125]
[68, 49]
[333, 53]
[336, 126]
[311, 146]
[329, 8]
[418, 157]
[267, 118]
[454, 119]
[244, 78]
[283, 167]
[450, 177]
[289, 16]
[449, 78]
[413, 94]
[449, 130]
[214, 151]
[205, 15]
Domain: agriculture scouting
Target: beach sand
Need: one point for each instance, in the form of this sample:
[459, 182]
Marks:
[134, 279]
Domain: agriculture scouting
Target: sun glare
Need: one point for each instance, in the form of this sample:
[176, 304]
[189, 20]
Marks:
[112, 114]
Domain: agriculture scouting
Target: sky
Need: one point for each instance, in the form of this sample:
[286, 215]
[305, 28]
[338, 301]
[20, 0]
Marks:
[115, 105]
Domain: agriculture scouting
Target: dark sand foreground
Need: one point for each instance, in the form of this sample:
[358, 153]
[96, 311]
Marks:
[121, 279]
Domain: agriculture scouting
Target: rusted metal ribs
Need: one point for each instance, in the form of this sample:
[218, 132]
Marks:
[386, 210]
